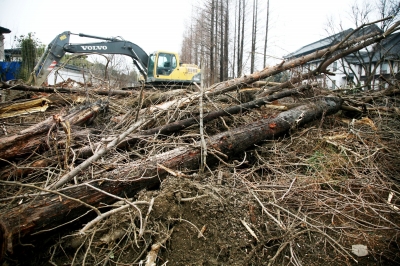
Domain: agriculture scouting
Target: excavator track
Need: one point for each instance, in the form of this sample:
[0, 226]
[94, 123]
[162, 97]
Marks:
[160, 86]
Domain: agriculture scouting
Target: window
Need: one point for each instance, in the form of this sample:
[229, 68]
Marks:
[173, 65]
[334, 66]
[333, 84]
[151, 66]
[384, 68]
[166, 64]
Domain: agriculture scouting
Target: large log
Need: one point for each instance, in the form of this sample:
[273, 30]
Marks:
[34, 137]
[23, 107]
[19, 171]
[47, 211]
[40, 104]
[22, 87]
[169, 128]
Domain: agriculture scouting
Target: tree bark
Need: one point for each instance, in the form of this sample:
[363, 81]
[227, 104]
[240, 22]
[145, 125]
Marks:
[254, 36]
[22, 87]
[87, 151]
[212, 40]
[241, 38]
[221, 43]
[47, 211]
[34, 137]
[28, 106]
[266, 36]
[21, 170]
[226, 42]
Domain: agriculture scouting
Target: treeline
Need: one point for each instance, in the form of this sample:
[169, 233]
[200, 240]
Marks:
[227, 38]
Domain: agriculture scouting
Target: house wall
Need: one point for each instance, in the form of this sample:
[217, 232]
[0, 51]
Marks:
[64, 74]
[338, 80]
[341, 69]
[335, 81]
[347, 71]
[387, 69]
[2, 57]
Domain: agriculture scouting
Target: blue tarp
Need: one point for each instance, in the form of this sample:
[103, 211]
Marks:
[9, 70]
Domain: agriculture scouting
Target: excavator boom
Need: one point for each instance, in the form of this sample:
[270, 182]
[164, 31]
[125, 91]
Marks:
[140, 58]
[159, 67]
[60, 45]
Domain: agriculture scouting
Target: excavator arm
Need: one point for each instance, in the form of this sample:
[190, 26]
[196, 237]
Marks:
[60, 45]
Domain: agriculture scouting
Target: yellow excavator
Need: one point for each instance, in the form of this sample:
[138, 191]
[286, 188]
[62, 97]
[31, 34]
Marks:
[158, 67]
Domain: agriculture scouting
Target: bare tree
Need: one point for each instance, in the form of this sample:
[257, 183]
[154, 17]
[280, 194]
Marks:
[212, 44]
[241, 23]
[361, 12]
[235, 18]
[254, 35]
[266, 36]
[221, 44]
[388, 8]
[212, 36]
[226, 43]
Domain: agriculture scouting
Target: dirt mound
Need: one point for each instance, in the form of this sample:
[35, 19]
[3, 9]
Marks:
[196, 223]
[205, 223]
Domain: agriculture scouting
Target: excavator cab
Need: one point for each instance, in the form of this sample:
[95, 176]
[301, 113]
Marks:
[164, 67]
[161, 63]
[166, 63]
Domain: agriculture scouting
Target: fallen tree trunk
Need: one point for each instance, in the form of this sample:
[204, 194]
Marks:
[44, 212]
[23, 107]
[182, 124]
[87, 151]
[146, 100]
[17, 172]
[28, 106]
[27, 140]
[22, 87]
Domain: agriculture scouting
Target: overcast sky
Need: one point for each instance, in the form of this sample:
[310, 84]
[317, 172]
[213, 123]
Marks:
[159, 24]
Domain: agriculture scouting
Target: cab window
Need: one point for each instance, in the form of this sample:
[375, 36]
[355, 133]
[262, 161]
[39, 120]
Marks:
[166, 64]
[150, 71]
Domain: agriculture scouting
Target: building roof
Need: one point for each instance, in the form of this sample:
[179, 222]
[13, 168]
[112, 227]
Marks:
[391, 46]
[13, 51]
[331, 40]
[388, 48]
[4, 30]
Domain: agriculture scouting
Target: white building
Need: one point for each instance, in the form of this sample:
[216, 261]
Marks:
[378, 64]
[2, 31]
[68, 72]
